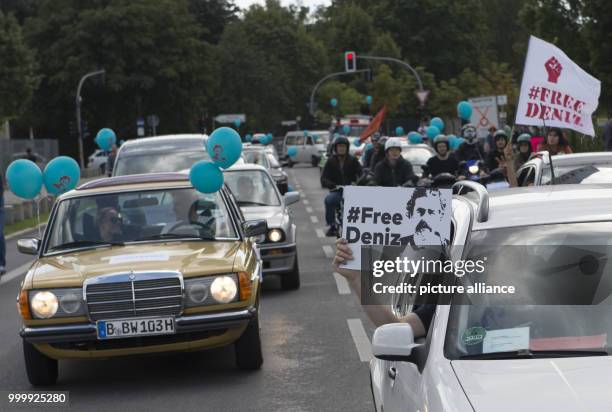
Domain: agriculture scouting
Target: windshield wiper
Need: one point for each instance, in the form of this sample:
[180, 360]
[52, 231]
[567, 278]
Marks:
[85, 243]
[527, 354]
[172, 236]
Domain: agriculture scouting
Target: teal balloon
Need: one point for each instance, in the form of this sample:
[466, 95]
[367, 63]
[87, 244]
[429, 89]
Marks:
[336, 135]
[292, 151]
[399, 131]
[105, 139]
[432, 132]
[237, 122]
[305, 133]
[368, 147]
[333, 102]
[346, 129]
[464, 110]
[248, 138]
[415, 138]
[24, 178]
[439, 123]
[224, 147]
[206, 177]
[61, 175]
[368, 100]
[290, 188]
[453, 142]
[357, 142]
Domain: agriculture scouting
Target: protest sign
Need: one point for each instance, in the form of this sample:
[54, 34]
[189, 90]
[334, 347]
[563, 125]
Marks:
[395, 216]
[555, 91]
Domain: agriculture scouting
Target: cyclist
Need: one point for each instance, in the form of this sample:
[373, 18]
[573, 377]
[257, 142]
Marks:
[394, 170]
[340, 170]
[443, 161]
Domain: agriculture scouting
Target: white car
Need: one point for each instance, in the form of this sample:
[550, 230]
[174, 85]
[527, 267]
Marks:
[309, 149]
[576, 168]
[98, 160]
[566, 365]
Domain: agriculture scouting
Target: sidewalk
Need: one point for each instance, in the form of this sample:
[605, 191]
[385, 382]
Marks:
[17, 209]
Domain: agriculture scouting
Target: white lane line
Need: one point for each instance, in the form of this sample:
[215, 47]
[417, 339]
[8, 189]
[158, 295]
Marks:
[314, 219]
[10, 275]
[306, 201]
[320, 233]
[328, 250]
[308, 209]
[362, 342]
[342, 284]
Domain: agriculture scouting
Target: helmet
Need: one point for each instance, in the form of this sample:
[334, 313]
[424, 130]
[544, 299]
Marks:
[441, 138]
[468, 131]
[393, 142]
[341, 140]
[500, 134]
[524, 138]
[376, 137]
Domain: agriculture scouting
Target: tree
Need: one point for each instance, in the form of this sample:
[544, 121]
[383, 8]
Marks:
[598, 17]
[17, 71]
[213, 16]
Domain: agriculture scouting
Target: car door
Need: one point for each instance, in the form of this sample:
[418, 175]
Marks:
[300, 143]
[402, 382]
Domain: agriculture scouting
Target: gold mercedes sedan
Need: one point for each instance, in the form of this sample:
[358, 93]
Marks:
[140, 264]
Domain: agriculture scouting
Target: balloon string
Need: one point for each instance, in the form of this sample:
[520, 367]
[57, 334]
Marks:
[38, 216]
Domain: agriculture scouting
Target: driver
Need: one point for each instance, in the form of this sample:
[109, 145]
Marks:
[182, 201]
[110, 224]
[245, 188]
[443, 161]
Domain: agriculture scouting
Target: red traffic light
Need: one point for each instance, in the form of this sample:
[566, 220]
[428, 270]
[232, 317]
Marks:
[350, 61]
[350, 56]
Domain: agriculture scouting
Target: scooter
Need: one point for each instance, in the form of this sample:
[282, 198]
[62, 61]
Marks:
[471, 170]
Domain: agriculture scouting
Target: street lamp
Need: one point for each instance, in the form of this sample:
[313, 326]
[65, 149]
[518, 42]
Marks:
[78, 112]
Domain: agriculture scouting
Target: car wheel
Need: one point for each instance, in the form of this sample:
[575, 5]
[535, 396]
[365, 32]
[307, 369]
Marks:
[248, 347]
[314, 161]
[41, 369]
[103, 168]
[291, 280]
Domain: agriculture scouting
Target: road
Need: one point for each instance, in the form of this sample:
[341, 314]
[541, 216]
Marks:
[315, 342]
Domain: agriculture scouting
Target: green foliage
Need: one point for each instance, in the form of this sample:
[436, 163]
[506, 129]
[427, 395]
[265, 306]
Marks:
[17, 69]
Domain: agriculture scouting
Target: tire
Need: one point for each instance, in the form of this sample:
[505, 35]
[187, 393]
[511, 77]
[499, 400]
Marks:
[103, 169]
[291, 280]
[41, 369]
[290, 163]
[248, 347]
[314, 161]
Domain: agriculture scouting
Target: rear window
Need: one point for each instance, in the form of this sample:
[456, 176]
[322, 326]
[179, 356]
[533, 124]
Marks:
[579, 174]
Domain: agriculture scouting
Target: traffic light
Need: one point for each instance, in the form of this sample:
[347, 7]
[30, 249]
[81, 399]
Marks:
[350, 61]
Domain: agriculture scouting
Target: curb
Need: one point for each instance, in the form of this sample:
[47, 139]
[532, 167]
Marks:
[23, 232]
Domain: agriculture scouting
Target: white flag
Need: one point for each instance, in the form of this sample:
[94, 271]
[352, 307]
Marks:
[555, 91]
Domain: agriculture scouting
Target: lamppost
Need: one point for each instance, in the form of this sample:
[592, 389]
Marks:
[78, 112]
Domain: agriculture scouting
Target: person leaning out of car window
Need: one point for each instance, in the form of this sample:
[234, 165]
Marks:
[555, 143]
[394, 170]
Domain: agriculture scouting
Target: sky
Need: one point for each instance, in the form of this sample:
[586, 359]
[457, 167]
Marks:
[312, 4]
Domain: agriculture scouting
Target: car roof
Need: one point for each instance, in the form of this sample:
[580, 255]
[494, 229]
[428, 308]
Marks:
[176, 142]
[527, 206]
[130, 182]
[576, 159]
[246, 166]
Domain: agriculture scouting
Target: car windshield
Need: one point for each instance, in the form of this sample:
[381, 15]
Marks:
[252, 188]
[97, 220]
[579, 174]
[531, 329]
[417, 156]
[158, 162]
[257, 157]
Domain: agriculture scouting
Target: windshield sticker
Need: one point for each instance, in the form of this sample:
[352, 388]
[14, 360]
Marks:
[473, 335]
[137, 257]
[506, 340]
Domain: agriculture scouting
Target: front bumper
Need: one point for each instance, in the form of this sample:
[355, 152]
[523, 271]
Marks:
[278, 258]
[86, 332]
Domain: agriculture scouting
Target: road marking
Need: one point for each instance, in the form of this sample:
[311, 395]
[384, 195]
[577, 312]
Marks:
[8, 276]
[362, 342]
[329, 251]
[314, 219]
[320, 233]
[308, 209]
[306, 201]
[342, 284]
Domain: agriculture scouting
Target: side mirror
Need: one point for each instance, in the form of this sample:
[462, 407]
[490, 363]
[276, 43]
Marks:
[255, 227]
[28, 246]
[393, 342]
[291, 198]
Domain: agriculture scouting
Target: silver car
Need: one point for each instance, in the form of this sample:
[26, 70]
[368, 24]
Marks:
[171, 153]
[260, 156]
[577, 168]
[259, 198]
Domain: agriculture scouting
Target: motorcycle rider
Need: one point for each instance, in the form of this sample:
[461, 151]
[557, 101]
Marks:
[341, 169]
[500, 140]
[373, 153]
[524, 150]
[394, 170]
[443, 161]
[470, 149]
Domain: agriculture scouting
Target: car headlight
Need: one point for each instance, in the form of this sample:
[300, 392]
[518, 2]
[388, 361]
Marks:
[224, 289]
[70, 303]
[196, 292]
[473, 169]
[44, 304]
[275, 235]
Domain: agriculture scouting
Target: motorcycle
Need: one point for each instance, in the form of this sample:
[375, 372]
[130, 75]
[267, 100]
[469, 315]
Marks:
[472, 169]
[439, 181]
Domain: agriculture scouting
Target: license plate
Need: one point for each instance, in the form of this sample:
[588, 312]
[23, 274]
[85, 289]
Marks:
[126, 328]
